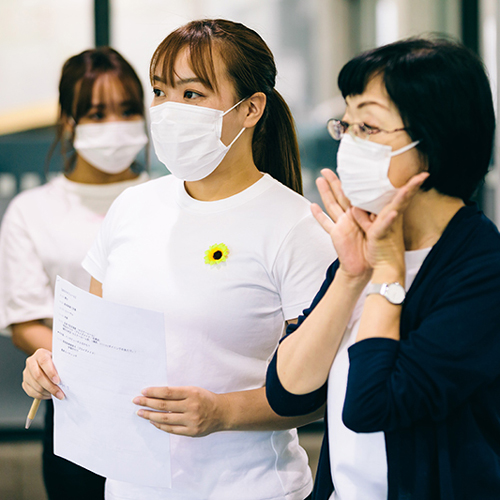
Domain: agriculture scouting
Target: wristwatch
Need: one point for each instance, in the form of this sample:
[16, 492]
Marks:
[393, 292]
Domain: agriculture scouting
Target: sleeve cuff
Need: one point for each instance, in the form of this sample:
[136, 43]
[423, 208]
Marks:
[93, 269]
[285, 403]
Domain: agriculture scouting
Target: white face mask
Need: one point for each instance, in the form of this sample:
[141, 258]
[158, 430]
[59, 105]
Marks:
[362, 167]
[187, 138]
[110, 147]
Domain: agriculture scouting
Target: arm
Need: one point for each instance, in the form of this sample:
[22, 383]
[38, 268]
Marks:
[193, 411]
[31, 335]
[451, 356]
[305, 358]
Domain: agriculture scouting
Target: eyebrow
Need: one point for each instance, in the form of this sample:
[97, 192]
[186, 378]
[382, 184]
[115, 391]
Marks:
[371, 103]
[181, 81]
[101, 105]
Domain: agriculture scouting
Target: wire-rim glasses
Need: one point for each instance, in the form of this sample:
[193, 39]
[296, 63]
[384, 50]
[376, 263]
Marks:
[338, 128]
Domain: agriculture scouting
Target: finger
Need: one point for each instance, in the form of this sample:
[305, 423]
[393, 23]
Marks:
[47, 365]
[33, 393]
[336, 187]
[165, 418]
[178, 430]
[362, 218]
[331, 204]
[172, 393]
[165, 405]
[326, 223]
[36, 377]
[407, 192]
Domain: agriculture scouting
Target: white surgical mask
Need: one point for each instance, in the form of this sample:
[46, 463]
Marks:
[112, 146]
[187, 138]
[362, 167]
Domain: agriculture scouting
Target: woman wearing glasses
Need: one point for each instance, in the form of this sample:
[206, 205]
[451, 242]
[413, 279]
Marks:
[402, 341]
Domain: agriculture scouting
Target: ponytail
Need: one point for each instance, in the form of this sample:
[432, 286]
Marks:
[275, 147]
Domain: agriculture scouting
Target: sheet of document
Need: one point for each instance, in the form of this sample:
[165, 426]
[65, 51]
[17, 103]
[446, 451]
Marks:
[105, 354]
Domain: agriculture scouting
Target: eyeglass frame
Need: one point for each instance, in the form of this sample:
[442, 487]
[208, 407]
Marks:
[346, 126]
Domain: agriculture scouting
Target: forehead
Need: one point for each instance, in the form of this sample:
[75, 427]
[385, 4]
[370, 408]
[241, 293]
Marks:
[209, 69]
[374, 98]
[108, 88]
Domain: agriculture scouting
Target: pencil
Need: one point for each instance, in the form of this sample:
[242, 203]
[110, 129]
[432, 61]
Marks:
[32, 413]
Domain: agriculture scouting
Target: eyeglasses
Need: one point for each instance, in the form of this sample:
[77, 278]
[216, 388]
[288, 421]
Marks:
[337, 129]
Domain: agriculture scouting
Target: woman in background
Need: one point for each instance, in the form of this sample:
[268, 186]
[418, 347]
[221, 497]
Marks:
[227, 248]
[47, 231]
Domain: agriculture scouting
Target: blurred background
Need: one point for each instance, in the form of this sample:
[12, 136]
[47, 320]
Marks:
[311, 41]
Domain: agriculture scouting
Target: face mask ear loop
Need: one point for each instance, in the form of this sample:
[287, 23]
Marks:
[237, 104]
[237, 137]
[243, 129]
[405, 148]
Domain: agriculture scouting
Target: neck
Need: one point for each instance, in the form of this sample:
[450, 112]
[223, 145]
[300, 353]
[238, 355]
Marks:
[426, 218]
[85, 173]
[235, 173]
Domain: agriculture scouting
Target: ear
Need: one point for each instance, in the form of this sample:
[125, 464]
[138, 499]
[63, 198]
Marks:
[68, 124]
[255, 106]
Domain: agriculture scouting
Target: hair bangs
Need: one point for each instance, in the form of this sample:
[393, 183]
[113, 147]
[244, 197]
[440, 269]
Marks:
[196, 38]
[356, 74]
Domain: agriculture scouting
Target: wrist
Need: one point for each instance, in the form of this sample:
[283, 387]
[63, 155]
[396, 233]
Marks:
[225, 417]
[354, 283]
[388, 274]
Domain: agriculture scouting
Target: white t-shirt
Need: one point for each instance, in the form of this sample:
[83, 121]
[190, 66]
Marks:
[45, 232]
[358, 461]
[223, 321]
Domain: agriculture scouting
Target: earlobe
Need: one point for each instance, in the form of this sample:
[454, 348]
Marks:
[255, 110]
[68, 124]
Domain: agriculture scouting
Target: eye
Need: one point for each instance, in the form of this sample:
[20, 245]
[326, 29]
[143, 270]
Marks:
[158, 92]
[191, 94]
[368, 129]
[97, 116]
[131, 112]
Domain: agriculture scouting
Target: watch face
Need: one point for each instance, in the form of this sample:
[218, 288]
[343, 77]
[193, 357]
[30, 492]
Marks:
[395, 293]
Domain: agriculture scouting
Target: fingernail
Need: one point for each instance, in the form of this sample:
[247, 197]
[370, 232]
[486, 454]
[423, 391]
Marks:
[60, 395]
[136, 400]
[140, 413]
[56, 379]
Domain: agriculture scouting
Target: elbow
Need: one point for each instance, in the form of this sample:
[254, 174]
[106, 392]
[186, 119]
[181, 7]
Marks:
[357, 421]
[17, 339]
[365, 415]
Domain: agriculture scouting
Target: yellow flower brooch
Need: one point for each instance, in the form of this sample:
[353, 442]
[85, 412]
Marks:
[216, 254]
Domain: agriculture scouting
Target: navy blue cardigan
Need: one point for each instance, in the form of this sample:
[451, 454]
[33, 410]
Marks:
[436, 392]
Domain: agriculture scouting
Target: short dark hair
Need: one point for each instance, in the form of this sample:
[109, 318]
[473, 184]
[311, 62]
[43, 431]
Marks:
[443, 95]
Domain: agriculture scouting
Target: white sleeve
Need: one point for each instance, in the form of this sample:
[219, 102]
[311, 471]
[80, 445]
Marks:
[96, 260]
[25, 290]
[301, 264]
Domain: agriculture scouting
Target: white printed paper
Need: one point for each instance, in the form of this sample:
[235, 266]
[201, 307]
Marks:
[105, 354]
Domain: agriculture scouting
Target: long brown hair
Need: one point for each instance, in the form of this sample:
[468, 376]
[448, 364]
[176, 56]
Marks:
[250, 65]
[78, 76]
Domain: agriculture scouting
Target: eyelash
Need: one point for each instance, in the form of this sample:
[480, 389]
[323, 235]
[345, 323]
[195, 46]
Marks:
[197, 94]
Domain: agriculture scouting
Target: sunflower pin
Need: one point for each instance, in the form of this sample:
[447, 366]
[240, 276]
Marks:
[216, 254]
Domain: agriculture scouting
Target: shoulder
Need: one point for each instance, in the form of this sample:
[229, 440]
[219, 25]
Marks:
[279, 191]
[32, 201]
[148, 192]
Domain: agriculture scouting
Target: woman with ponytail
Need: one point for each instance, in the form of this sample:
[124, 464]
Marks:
[228, 249]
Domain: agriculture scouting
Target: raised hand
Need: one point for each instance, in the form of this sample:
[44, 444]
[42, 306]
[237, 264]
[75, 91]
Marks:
[347, 236]
[384, 238]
